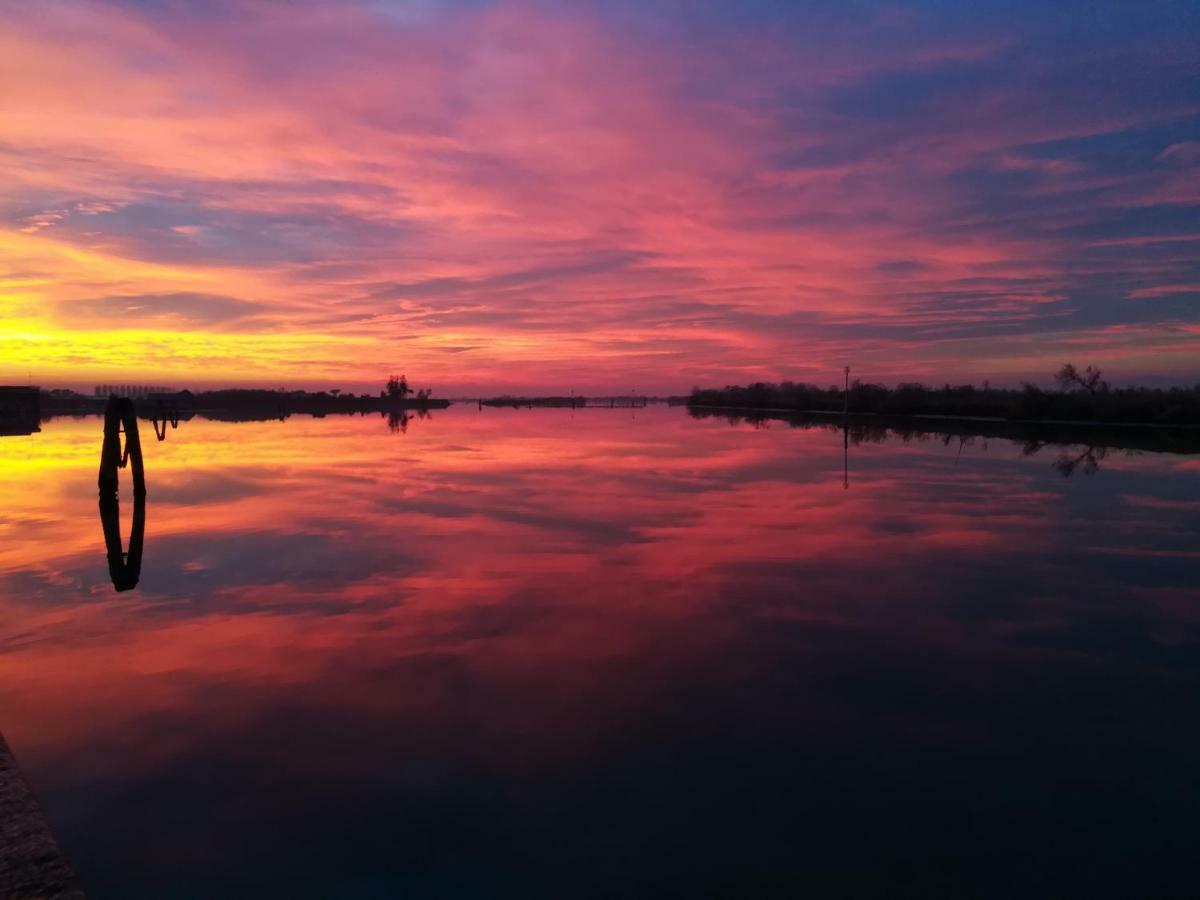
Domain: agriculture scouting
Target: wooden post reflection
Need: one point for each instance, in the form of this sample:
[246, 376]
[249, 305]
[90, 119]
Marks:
[120, 419]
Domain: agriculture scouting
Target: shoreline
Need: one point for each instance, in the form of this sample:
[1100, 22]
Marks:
[151, 409]
[991, 420]
[1134, 437]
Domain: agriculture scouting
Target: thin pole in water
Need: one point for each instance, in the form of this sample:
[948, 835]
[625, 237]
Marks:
[846, 397]
[845, 457]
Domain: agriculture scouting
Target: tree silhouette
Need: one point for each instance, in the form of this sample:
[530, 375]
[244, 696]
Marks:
[397, 387]
[1089, 380]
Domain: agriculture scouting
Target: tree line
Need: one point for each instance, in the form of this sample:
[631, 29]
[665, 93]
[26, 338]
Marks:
[1081, 395]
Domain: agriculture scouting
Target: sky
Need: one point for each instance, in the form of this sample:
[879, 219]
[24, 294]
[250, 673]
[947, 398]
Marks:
[597, 196]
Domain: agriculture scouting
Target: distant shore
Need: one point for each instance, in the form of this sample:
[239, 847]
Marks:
[1092, 403]
[871, 427]
[244, 404]
[869, 418]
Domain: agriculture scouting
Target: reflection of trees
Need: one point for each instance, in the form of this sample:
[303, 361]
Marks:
[398, 419]
[864, 434]
[1088, 462]
[1069, 462]
[120, 420]
[1032, 437]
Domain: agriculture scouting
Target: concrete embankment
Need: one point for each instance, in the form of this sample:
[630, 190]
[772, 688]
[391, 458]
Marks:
[32, 866]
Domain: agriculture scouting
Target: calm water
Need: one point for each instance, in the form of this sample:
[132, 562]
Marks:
[537, 654]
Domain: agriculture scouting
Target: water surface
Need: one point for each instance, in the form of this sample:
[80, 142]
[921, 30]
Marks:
[606, 653]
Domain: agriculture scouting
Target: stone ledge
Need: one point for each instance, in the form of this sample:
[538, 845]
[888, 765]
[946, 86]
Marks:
[32, 866]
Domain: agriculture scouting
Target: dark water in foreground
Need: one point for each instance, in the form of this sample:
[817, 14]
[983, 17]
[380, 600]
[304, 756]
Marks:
[537, 654]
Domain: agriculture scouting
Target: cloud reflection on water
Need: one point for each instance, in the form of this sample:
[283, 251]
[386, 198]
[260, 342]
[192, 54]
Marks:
[521, 645]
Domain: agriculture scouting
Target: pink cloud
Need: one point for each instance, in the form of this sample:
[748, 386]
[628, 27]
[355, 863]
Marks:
[561, 194]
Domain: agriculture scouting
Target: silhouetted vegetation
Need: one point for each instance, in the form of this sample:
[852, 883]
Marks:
[1068, 377]
[248, 404]
[1084, 396]
[397, 388]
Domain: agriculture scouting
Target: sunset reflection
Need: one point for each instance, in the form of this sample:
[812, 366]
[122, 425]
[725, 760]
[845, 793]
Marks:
[338, 626]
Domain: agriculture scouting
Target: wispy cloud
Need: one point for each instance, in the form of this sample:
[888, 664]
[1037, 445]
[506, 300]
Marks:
[166, 311]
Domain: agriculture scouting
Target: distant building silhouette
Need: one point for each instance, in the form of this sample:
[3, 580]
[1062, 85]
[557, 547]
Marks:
[20, 410]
